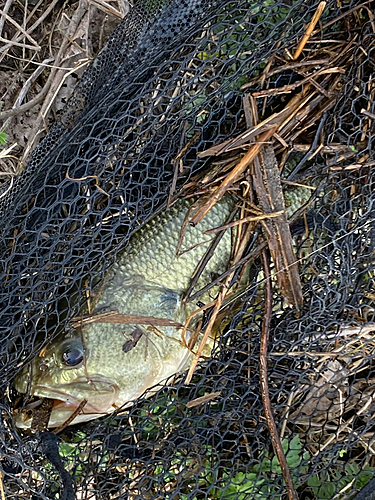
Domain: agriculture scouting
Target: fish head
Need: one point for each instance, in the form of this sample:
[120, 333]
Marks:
[60, 373]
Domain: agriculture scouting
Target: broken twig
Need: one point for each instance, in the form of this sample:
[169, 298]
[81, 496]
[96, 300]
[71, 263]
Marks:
[267, 185]
[310, 29]
[69, 420]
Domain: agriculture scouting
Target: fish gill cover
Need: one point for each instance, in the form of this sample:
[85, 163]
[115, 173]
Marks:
[169, 108]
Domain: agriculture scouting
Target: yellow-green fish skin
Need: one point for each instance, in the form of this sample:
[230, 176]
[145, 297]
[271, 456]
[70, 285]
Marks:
[148, 279]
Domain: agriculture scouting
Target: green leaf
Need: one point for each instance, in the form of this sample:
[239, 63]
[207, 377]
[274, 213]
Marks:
[313, 481]
[295, 443]
[352, 469]
[229, 493]
[66, 449]
[3, 138]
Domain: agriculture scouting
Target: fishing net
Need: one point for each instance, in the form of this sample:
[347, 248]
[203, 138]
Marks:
[148, 122]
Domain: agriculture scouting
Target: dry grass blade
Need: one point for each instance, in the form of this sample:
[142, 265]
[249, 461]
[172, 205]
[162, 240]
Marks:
[6, 8]
[178, 165]
[95, 177]
[288, 66]
[232, 176]
[287, 89]
[18, 44]
[24, 107]
[241, 243]
[245, 137]
[2, 492]
[4, 153]
[354, 166]
[105, 7]
[189, 320]
[234, 267]
[25, 33]
[207, 256]
[346, 14]
[251, 218]
[203, 399]
[198, 354]
[368, 113]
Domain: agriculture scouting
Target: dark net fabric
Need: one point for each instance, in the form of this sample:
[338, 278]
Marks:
[171, 75]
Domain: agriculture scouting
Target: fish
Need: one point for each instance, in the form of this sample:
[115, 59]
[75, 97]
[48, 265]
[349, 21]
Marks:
[111, 365]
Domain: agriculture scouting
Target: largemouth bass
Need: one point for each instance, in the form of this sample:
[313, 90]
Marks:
[112, 364]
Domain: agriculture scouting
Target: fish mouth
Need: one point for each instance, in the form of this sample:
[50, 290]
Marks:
[88, 398]
[72, 406]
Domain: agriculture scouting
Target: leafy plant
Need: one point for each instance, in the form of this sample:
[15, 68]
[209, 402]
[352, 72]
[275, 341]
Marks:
[257, 481]
[326, 484]
[263, 480]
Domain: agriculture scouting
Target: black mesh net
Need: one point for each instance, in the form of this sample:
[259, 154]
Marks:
[171, 82]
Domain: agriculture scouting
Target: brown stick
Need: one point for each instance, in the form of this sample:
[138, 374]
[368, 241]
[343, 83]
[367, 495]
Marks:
[69, 420]
[287, 89]
[354, 166]
[108, 9]
[310, 29]
[219, 302]
[244, 261]
[189, 319]
[287, 67]
[233, 176]
[267, 184]
[206, 257]
[245, 137]
[263, 376]
[124, 319]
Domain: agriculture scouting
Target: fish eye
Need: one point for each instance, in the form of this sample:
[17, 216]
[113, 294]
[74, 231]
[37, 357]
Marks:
[72, 355]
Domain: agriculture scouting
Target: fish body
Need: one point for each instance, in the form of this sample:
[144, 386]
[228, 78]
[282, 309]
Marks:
[112, 364]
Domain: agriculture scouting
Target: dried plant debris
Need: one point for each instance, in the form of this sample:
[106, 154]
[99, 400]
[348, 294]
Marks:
[314, 93]
[330, 397]
[45, 48]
